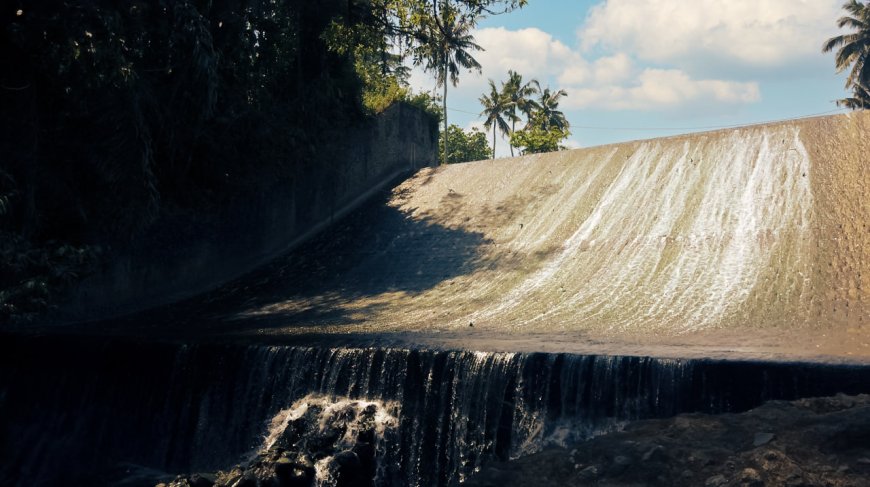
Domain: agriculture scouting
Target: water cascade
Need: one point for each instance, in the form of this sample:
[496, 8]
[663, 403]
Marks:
[435, 416]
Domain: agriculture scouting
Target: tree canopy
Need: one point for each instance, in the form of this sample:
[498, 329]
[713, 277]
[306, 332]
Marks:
[853, 51]
[495, 108]
[545, 126]
[466, 146]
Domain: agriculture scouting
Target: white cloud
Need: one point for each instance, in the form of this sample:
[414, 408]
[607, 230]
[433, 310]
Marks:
[530, 52]
[662, 89]
[610, 82]
[704, 34]
[613, 69]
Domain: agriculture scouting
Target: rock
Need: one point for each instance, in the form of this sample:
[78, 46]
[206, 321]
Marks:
[293, 474]
[762, 438]
[347, 459]
[655, 454]
[246, 480]
[589, 473]
[687, 474]
[749, 477]
[201, 480]
[716, 481]
[620, 464]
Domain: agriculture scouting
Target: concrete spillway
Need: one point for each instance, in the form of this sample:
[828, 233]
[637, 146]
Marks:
[94, 412]
[722, 241]
[504, 305]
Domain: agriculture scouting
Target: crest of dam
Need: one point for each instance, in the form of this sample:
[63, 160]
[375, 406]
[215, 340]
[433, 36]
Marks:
[761, 227]
[429, 417]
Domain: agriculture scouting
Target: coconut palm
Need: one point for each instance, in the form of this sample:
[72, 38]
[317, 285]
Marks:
[547, 113]
[519, 97]
[860, 99]
[448, 49]
[854, 51]
[495, 106]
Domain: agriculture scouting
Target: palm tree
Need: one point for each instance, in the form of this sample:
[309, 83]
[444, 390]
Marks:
[854, 51]
[859, 101]
[547, 113]
[447, 50]
[519, 98]
[494, 107]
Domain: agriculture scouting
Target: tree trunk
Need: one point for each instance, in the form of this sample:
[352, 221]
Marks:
[445, 108]
[493, 141]
[513, 129]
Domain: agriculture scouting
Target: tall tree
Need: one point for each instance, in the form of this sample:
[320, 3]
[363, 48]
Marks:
[519, 97]
[449, 48]
[548, 113]
[854, 51]
[495, 106]
[860, 99]
[467, 146]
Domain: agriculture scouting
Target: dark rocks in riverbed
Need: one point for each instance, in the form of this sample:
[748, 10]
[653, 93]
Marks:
[818, 442]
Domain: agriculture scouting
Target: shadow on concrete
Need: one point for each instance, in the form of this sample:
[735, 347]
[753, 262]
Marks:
[374, 250]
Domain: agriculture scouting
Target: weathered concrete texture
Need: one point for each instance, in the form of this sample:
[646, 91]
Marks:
[186, 256]
[752, 239]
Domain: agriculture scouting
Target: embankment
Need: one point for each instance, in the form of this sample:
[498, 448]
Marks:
[183, 256]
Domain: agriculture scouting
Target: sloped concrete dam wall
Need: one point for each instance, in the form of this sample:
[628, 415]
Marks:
[86, 411]
[185, 256]
[757, 228]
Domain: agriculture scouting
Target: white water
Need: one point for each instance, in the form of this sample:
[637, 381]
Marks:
[682, 237]
[328, 413]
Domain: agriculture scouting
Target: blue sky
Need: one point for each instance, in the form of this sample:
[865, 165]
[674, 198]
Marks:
[637, 69]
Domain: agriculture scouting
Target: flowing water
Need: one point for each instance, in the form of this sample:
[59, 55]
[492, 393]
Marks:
[435, 416]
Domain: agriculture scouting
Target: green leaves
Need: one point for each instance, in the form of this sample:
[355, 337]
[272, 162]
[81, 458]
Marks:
[853, 51]
[466, 146]
[535, 139]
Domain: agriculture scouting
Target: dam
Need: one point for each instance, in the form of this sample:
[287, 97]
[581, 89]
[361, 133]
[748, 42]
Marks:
[483, 311]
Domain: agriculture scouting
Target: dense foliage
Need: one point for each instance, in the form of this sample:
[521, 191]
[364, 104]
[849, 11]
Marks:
[466, 146]
[545, 127]
[534, 138]
[115, 113]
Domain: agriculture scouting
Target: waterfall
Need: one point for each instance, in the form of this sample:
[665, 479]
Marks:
[439, 414]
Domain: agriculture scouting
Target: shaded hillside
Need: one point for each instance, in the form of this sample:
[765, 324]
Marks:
[117, 115]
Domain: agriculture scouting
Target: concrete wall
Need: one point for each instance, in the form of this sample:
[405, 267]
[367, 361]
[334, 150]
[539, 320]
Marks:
[180, 260]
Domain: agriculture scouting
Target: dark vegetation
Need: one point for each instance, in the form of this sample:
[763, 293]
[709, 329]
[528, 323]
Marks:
[114, 113]
[117, 115]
